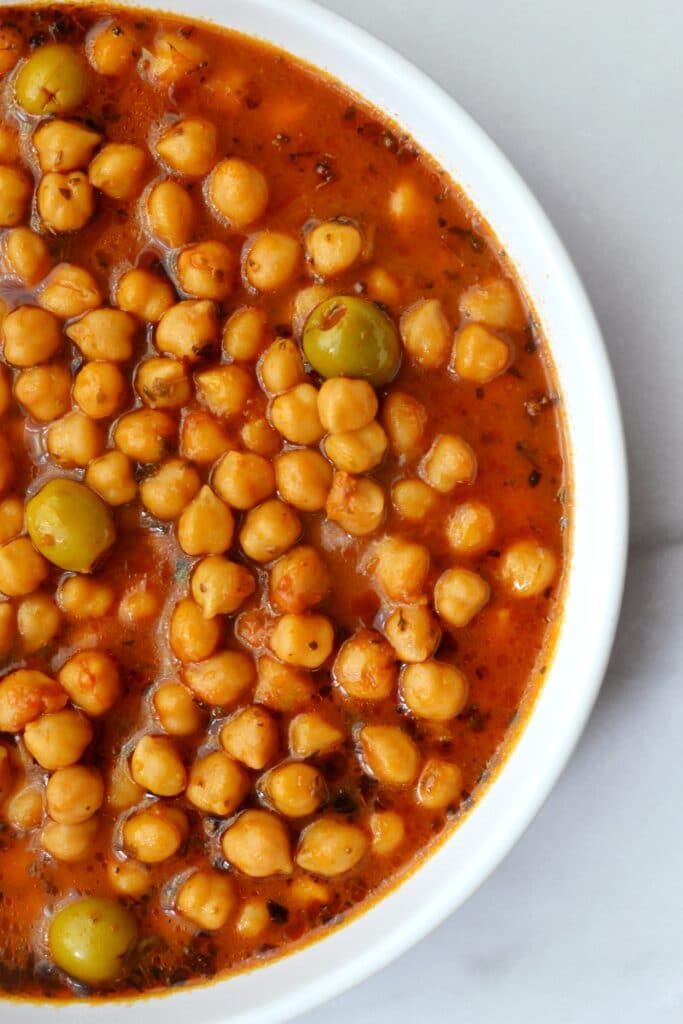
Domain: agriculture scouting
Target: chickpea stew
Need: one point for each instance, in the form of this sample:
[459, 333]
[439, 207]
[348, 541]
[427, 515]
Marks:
[283, 504]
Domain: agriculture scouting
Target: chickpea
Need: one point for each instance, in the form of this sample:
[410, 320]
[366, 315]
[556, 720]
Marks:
[356, 503]
[251, 736]
[221, 587]
[239, 192]
[207, 270]
[305, 891]
[69, 291]
[225, 390]
[91, 678]
[333, 247]
[25, 694]
[402, 568]
[217, 785]
[494, 303]
[413, 499]
[222, 679]
[157, 767]
[128, 878]
[295, 789]
[83, 598]
[257, 844]
[175, 56]
[26, 255]
[243, 479]
[139, 605]
[207, 899]
[154, 834]
[407, 205]
[479, 355]
[434, 690]
[365, 666]
[104, 334]
[527, 568]
[122, 792]
[22, 569]
[281, 366]
[203, 438]
[389, 754]
[330, 847]
[310, 735]
[304, 640]
[254, 918]
[357, 451]
[269, 530]
[74, 794]
[295, 415]
[11, 518]
[145, 295]
[405, 420]
[206, 525]
[192, 636]
[176, 710]
[113, 49]
[169, 489]
[59, 739]
[458, 595]
[66, 202]
[304, 479]
[426, 334]
[271, 259]
[118, 170]
[188, 330]
[25, 808]
[44, 391]
[299, 580]
[15, 196]
[8, 629]
[12, 46]
[70, 843]
[145, 435]
[163, 383]
[64, 146]
[171, 214]
[53, 80]
[383, 287]
[99, 389]
[388, 832]
[30, 335]
[9, 143]
[305, 301]
[75, 439]
[346, 404]
[450, 461]
[243, 334]
[111, 476]
[282, 688]
[413, 632]
[189, 147]
[470, 528]
[258, 436]
[439, 785]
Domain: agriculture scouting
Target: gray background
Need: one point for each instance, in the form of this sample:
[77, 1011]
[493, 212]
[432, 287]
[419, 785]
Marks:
[583, 921]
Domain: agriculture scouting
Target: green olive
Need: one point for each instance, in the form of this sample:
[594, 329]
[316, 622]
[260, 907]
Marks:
[90, 937]
[69, 524]
[349, 337]
[53, 80]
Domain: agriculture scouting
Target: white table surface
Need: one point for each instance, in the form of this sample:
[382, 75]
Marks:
[583, 922]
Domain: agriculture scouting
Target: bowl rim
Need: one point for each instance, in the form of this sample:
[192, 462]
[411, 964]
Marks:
[345, 956]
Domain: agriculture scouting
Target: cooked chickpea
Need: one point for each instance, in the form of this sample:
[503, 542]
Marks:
[145, 295]
[494, 303]
[527, 568]
[12, 46]
[305, 640]
[383, 287]
[434, 690]
[295, 415]
[8, 630]
[254, 918]
[139, 605]
[220, 587]
[388, 832]
[25, 808]
[244, 479]
[404, 418]
[145, 435]
[251, 736]
[118, 170]
[170, 489]
[69, 291]
[426, 334]
[346, 404]
[257, 844]
[26, 255]
[357, 451]
[299, 580]
[413, 632]
[74, 794]
[175, 56]
[333, 247]
[244, 333]
[407, 205]
[30, 335]
[75, 439]
[271, 260]
[193, 637]
[303, 479]
[176, 710]
[66, 202]
[113, 49]
[81, 597]
[99, 389]
[450, 461]
[305, 301]
[59, 739]
[44, 391]
[207, 899]
[203, 438]
[15, 195]
[282, 688]
[356, 503]
[365, 666]
[154, 834]
[64, 146]
[402, 568]
[122, 792]
[171, 214]
[111, 476]
[305, 891]
[189, 146]
[128, 878]
[281, 367]
[470, 528]
[330, 847]
[104, 334]
[206, 525]
[11, 518]
[188, 330]
[390, 754]
[459, 594]
[239, 192]
[222, 679]
[207, 270]
[218, 784]
[310, 735]
[258, 436]
[163, 383]
[439, 785]
[295, 789]
[70, 843]
[413, 499]
[91, 678]
[22, 569]
[269, 530]
[225, 390]
[157, 767]
[479, 355]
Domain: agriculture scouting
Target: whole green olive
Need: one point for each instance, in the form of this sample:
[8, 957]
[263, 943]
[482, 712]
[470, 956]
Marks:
[69, 524]
[53, 80]
[350, 337]
[90, 938]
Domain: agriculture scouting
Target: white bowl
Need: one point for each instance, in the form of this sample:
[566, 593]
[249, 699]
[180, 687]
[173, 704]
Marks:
[349, 954]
